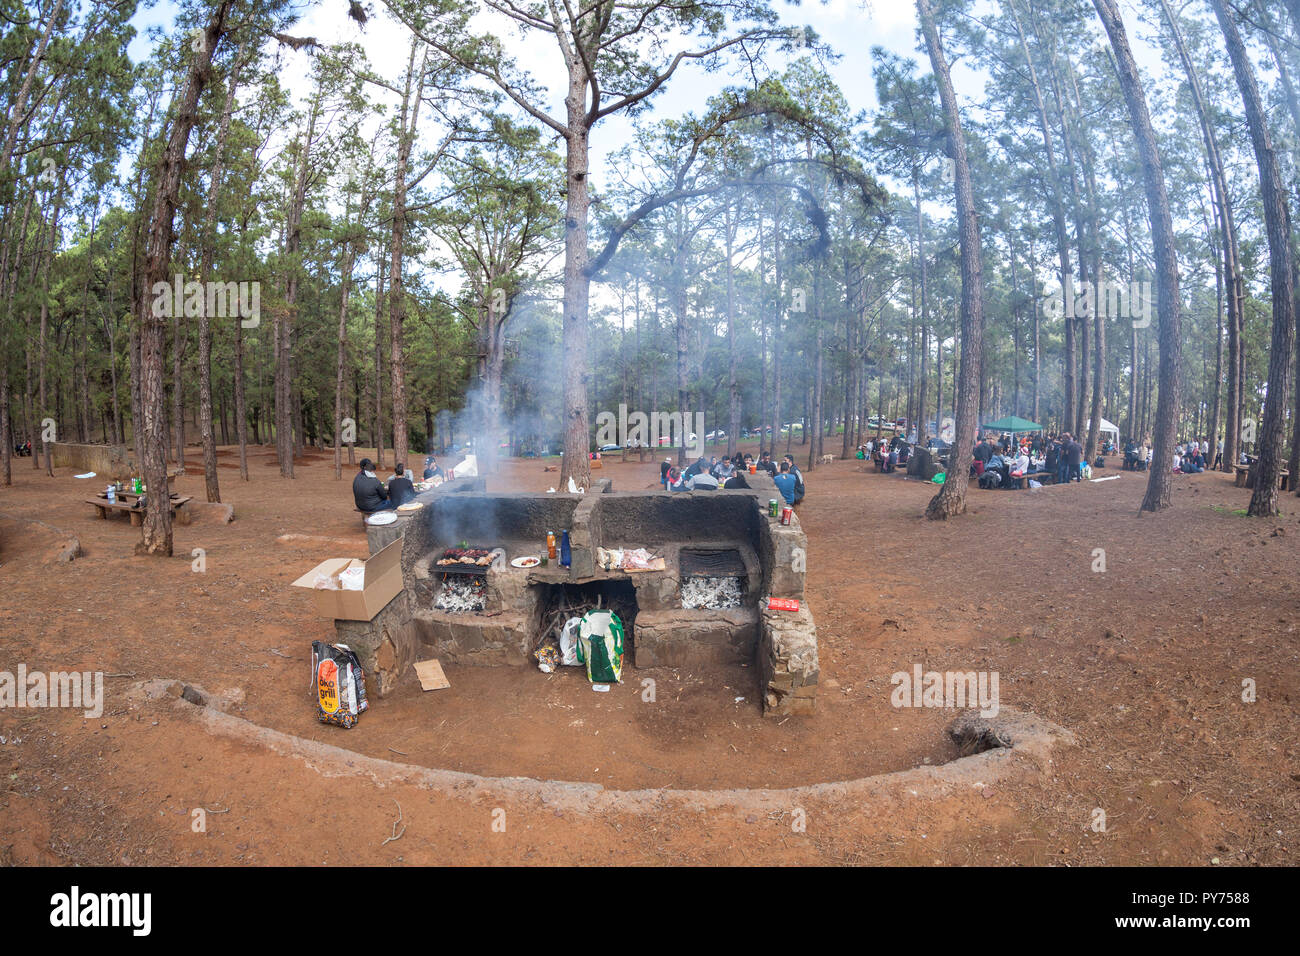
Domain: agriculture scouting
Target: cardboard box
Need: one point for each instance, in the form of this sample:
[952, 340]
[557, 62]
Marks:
[382, 582]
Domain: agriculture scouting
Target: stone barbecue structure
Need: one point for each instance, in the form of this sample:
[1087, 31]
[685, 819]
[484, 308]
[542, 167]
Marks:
[724, 540]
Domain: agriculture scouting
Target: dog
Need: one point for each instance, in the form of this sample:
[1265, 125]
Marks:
[827, 459]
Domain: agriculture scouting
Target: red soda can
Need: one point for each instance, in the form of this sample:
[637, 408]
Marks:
[787, 513]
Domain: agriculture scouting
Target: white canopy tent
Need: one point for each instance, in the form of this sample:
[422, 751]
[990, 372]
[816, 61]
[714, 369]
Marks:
[1107, 428]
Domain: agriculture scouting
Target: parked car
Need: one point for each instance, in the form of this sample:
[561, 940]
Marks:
[716, 436]
[604, 448]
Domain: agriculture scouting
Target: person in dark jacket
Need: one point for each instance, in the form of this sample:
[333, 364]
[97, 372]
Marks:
[400, 489]
[1073, 458]
[367, 490]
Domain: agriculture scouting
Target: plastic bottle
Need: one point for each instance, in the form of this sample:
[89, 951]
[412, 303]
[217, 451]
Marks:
[566, 556]
[112, 493]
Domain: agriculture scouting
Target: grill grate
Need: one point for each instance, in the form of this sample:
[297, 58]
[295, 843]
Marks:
[717, 563]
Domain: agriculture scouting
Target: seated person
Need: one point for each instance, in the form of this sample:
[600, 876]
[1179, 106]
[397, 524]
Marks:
[1002, 467]
[703, 481]
[765, 463]
[431, 469]
[664, 467]
[736, 481]
[694, 469]
[367, 490]
[799, 490]
[785, 483]
[674, 481]
[400, 489]
[1020, 468]
[891, 461]
[724, 470]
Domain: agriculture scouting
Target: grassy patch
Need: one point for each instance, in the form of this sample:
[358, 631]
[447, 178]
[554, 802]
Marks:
[1240, 512]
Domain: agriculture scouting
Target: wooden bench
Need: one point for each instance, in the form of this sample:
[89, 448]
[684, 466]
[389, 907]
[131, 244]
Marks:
[1241, 476]
[1039, 475]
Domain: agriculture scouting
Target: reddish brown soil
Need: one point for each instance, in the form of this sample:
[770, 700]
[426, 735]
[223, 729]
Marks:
[1144, 662]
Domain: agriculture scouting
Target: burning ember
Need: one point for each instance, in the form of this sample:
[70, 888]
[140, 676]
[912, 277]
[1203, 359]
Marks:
[712, 593]
[462, 593]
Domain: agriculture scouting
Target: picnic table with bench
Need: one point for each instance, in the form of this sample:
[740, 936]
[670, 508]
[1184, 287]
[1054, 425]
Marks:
[129, 502]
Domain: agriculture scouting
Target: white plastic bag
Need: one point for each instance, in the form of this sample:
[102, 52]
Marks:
[569, 642]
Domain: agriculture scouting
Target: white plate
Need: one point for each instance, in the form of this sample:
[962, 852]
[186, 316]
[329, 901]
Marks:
[383, 517]
[527, 561]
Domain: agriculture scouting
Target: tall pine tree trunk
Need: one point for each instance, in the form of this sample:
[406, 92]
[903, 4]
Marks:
[1162, 239]
[157, 530]
[951, 499]
[1277, 221]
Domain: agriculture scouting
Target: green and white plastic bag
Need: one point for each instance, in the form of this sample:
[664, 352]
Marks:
[600, 646]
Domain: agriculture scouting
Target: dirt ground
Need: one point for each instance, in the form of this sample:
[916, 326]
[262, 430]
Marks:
[1143, 661]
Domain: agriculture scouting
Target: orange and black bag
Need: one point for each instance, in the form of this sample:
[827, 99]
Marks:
[340, 684]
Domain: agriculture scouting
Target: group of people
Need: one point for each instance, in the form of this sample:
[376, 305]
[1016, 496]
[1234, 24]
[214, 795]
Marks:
[371, 494]
[1193, 457]
[1137, 455]
[1006, 464]
[728, 473]
[887, 455]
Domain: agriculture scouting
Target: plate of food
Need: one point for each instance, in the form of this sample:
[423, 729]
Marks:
[382, 517]
[410, 506]
[528, 561]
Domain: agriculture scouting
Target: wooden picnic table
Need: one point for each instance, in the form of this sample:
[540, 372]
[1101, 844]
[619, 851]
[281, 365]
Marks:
[133, 509]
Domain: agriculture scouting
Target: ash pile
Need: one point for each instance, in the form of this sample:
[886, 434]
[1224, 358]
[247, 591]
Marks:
[712, 580]
[711, 593]
[462, 594]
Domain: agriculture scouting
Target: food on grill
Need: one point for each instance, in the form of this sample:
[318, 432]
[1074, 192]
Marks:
[476, 556]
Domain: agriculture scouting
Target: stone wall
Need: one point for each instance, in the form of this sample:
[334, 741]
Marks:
[109, 462]
[787, 660]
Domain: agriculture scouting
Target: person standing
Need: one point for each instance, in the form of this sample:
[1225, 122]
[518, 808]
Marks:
[1074, 459]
